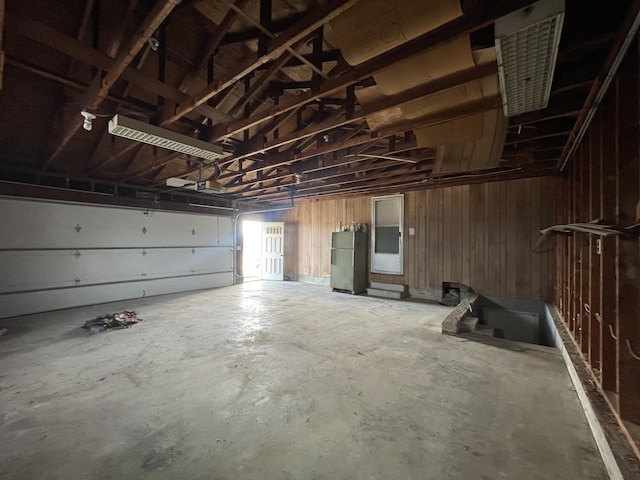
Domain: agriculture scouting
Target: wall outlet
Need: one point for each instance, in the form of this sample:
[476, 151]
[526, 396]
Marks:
[599, 246]
[412, 231]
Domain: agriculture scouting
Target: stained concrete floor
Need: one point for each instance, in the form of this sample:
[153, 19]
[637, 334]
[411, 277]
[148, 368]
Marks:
[272, 380]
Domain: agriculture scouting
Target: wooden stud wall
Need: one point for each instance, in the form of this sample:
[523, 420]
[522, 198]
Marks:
[598, 278]
[481, 235]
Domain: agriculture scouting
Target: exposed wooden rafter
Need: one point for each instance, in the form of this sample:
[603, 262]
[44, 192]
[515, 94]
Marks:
[160, 11]
[267, 82]
[277, 47]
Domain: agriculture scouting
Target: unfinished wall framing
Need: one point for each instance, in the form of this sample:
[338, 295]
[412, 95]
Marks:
[598, 277]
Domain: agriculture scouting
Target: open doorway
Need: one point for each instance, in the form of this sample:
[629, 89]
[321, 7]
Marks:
[251, 250]
[263, 250]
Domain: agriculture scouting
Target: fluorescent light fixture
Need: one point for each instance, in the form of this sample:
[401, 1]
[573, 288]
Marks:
[526, 48]
[202, 186]
[161, 137]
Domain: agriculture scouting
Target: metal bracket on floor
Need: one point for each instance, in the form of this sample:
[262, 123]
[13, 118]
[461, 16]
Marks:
[631, 352]
[598, 317]
[587, 308]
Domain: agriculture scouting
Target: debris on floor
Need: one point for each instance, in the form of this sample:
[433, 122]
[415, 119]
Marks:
[112, 321]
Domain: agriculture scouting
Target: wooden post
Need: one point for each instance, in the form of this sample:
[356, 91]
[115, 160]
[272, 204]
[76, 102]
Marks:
[595, 247]
[575, 256]
[318, 40]
[584, 240]
[265, 21]
[608, 187]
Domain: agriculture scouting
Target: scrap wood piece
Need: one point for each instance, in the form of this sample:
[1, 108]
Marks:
[593, 227]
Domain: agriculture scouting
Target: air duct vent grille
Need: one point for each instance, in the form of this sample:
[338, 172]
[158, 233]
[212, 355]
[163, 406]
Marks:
[161, 137]
[527, 48]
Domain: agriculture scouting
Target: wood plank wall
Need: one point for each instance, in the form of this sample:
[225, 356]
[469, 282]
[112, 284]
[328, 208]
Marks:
[598, 279]
[481, 235]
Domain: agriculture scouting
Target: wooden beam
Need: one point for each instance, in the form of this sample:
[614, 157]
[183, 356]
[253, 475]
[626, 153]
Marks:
[609, 177]
[27, 67]
[211, 46]
[258, 145]
[418, 184]
[277, 47]
[265, 21]
[151, 23]
[287, 158]
[50, 38]
[366, 166]
[458, 27]
[106, 137]
[252, 34]
[558, 107]
[576, 307]
[81, 31]
[259, 84]
[284, 158]
[158, 14]
[313, 169]
[451, 30]
[318, 42]
[630, 19]
[547, 129]
[397, 175]
[585, 266]
[465, 110]
[595, 248]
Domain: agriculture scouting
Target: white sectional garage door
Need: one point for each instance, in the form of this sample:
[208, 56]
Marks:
[59, 255]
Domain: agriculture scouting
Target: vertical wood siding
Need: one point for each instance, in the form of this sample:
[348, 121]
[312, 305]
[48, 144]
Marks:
[480, 235]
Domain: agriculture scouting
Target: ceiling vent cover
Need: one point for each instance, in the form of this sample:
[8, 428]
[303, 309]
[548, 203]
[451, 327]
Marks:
[161, 137]
[527, 47]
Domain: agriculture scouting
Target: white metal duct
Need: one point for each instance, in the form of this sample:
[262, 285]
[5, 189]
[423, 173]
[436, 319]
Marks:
[161, 137]
[527, 47]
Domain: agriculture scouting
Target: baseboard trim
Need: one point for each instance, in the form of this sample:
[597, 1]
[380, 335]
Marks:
[597, 408]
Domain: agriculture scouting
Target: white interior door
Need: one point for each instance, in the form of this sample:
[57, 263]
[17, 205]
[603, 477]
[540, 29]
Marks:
[273, 251]
[386, 234]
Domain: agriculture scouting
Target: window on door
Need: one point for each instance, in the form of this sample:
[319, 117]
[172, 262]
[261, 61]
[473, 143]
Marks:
[386, 234]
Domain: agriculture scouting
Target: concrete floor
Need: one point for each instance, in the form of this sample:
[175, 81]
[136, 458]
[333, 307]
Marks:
[272, 380]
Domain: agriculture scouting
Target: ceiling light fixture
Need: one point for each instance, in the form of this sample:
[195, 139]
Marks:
[154, 43]
[161, 137]
[89, 117]
[526, 49]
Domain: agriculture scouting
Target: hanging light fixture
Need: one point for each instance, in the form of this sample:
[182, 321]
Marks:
[527, 48]
[161, 137]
